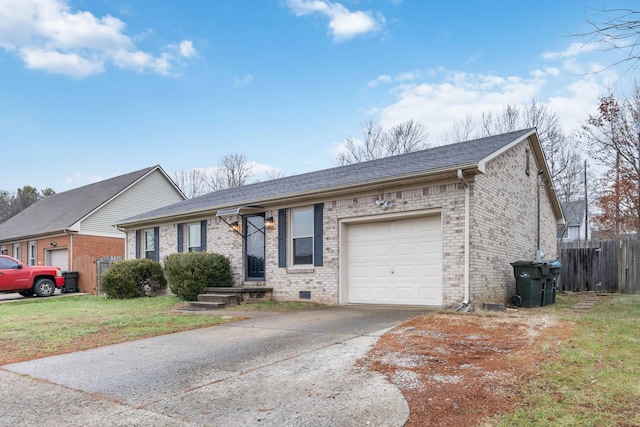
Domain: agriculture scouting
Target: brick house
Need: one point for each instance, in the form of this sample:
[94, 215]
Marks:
[437, 227]
[73, 229]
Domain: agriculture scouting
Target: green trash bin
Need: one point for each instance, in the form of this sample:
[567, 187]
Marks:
[70, 281]
[530, 283]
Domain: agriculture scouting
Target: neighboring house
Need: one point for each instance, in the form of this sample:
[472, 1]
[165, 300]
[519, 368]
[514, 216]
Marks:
[437, 227]
[72, 229]
[576, 224]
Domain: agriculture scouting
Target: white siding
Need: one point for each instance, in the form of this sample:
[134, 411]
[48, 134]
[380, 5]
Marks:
[152, 192]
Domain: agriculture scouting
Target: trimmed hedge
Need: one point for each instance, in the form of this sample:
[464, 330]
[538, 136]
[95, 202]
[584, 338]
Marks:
[133, 279]
[190, 273]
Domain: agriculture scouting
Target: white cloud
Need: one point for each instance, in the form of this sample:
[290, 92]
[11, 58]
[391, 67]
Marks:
[70, 64]
[572, 51]
[242, 81]
[186, 49]
[49, 36]
[343, 23]
[402, 77]
[454, 96]
[382, 79]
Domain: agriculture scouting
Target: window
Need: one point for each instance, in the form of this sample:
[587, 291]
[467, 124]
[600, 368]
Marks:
[16, 251]
[194, 236]
[32, 253]
[7, 263]
[302, 236]
[149, 244]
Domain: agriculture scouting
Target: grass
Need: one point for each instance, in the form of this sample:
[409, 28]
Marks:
[44, 327]
[593, 379]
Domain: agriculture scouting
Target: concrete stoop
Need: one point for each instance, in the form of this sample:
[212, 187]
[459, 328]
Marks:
[217, 298]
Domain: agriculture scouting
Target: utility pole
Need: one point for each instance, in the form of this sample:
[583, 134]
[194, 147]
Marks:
[586, 205]
[638, 173]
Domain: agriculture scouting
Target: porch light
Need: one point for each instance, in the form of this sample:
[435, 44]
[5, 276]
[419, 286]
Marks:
[268, 223]
[234, 226]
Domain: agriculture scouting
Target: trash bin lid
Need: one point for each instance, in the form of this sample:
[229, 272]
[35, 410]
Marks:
[523, 263]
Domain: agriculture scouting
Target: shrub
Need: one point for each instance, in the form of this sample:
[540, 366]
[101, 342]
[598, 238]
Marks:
[133, 278]
[191, 272]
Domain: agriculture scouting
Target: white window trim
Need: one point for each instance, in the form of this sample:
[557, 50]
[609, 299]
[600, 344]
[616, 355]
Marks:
[197, 226]
[292, 237]
[16, 251]
[33, 256]
[144, 242]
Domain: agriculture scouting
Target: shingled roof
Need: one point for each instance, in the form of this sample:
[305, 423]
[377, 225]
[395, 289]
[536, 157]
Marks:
[61, 211]
[470, 154]
[574, 212]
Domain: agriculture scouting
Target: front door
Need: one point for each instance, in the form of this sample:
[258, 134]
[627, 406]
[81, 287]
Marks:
[254, 247]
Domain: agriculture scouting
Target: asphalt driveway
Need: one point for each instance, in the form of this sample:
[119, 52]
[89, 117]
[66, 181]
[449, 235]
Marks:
[290, 369]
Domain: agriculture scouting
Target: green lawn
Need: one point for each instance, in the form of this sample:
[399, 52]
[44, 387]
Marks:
[43, 327]
[594, 378]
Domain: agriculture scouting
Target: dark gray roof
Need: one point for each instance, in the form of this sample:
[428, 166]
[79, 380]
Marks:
[574, 212]
[425, 161]
[61, 210]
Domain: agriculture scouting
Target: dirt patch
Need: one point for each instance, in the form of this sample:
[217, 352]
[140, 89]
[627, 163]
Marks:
[459, 369]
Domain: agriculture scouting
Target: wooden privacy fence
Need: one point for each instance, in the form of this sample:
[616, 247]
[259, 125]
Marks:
[600, 265]
[101, 265]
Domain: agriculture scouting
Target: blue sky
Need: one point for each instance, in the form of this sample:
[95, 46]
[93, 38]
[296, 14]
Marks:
[94, 89]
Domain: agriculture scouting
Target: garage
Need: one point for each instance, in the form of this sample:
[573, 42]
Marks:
[58, 258]
[395, 262]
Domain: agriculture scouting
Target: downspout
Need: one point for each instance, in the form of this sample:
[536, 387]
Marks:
[465, 306]
[71, 250]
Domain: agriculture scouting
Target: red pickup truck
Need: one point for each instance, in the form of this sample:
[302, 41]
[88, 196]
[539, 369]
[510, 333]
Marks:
[28, 279]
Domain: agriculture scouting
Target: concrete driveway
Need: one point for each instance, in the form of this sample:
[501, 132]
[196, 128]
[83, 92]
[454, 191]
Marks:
[291, 369]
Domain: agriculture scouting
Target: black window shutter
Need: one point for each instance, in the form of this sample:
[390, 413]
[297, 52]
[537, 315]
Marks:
[282, 238]
[180, 239]
[138, 242]
[203, 235]
[156, 243]
[317, 234]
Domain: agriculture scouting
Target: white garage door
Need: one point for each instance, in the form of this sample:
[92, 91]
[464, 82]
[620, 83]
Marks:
[58, 258]
[395, 262]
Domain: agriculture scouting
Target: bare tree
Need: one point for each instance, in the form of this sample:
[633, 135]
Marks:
[192, 182]
[406, 137]
[563, 154]
[233, 171]
[618, 29]
[376, 143]
[272, 174]
[462, 130]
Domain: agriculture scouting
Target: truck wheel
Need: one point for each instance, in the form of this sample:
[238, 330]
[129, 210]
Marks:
[44, 288]
[28, 293]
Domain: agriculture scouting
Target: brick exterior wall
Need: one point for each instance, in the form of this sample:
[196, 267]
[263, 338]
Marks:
[86, 250]
[503, 218]
[504, 224]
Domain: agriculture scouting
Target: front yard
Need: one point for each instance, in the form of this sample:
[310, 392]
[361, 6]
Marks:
[44, 327]
[533, 367]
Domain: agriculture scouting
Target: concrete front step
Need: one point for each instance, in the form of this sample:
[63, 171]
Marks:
[205, 305]
[216, 298]
[228, 299]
